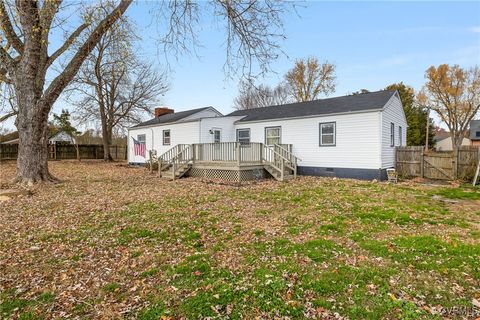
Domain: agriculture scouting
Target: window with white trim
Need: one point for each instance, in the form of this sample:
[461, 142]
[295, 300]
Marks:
[142, 138]
[166, 137]
[392, 134]
[400, 137]
[272, 135]
[328, 134]
[243, 135]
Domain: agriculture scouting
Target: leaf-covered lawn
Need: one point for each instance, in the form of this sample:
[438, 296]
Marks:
[114, 242]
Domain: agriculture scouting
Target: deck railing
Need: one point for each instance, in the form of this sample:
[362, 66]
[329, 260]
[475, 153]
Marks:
[238, 152]
[277, 159]
[166, 158]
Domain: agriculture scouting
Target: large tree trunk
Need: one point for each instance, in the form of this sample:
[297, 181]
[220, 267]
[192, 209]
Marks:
[32, 125]
[457, 139]
[107, 140]
[32, 161]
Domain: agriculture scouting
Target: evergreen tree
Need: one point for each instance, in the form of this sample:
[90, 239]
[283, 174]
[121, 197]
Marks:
[62, 122]
[416, 117]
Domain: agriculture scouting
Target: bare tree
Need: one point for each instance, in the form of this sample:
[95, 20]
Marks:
[25, 60]
[309, 78]
[115, 87]
[454, 94]
[252, 29]
[251, 96]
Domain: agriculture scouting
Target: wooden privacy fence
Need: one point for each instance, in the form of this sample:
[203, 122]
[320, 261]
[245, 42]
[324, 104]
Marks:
[445, 165]
[68, 151]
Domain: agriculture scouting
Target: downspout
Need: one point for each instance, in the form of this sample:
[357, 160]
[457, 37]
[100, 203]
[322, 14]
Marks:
[152, 138]
[380, 145]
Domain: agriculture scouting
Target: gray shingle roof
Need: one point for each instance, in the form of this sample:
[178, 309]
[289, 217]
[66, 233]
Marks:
[353, 103]
[170, 117]
[474, 128]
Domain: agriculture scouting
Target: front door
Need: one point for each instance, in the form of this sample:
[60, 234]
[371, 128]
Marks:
[217, 135]
[217, 138]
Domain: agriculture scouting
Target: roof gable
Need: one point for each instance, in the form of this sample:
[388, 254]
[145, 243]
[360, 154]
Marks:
[346, 104]
[174, 117]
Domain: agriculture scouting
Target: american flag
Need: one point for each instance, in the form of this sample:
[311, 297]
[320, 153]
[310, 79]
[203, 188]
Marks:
[139, 148]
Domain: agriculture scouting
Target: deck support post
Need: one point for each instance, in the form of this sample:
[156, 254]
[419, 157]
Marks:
[174, 168]
[237, 150]
[160, 164]
[282, 173]
[193, 153]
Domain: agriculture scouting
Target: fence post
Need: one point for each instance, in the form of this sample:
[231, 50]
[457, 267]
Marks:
[455, 162]
[422, 163]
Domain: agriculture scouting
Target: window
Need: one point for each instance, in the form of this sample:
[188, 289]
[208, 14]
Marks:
[477, 134]
[400, 140]
[142, 138]
[392, 134]
[243, 135]
[328, 134]
[217, 135]
[166, 137]
[272, 136]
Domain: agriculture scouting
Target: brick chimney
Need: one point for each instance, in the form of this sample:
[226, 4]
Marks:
[161, 111]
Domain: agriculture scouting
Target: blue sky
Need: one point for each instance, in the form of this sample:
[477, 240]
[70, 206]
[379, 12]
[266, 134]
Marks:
[373, 44]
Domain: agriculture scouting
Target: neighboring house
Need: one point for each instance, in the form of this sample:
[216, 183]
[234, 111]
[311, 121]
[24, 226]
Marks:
[350, 136]
[61, 137]
[444, 143]
[475, 132]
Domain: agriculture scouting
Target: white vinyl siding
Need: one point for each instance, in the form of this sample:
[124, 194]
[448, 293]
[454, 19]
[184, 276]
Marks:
[207, 113]
[225, 124]
[182, 132]
[392, 113]
[357, 139]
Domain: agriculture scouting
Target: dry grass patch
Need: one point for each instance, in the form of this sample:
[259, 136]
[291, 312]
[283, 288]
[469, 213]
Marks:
[114, 242]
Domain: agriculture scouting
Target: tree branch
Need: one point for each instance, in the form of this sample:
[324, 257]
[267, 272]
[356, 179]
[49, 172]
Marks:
[63, 79]
[8, 116]
[6, 62]
[7, 27]
[66, 44]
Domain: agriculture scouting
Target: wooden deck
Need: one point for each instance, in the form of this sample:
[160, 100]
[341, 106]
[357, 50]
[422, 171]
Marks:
[232, 161]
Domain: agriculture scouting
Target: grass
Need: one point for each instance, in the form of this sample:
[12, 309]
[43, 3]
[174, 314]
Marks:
[464, 193]
[123, 244]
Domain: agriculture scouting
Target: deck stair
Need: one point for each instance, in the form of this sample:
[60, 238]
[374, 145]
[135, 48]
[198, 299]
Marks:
[280, 162]
[228, 159]
[176, 162]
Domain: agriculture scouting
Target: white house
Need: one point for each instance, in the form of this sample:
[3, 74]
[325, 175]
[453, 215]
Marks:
[350, 136]
[62, 137]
